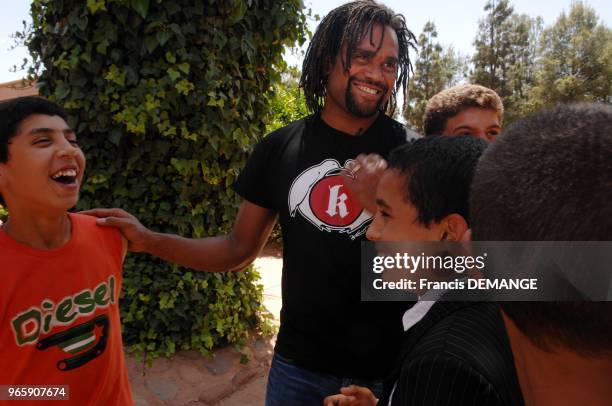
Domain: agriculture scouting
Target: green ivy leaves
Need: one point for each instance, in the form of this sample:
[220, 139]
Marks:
[141, 7]
[168, 99]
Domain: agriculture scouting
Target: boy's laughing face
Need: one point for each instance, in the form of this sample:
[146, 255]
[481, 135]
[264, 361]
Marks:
[45, 166]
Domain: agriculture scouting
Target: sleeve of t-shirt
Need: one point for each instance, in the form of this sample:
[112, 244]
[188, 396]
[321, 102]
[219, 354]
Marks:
[253, 183]
[109, 239]
[115, 245]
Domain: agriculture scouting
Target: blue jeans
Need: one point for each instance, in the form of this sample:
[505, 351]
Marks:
[289, 384]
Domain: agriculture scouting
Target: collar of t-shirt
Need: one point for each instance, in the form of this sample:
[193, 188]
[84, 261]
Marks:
[324, 127]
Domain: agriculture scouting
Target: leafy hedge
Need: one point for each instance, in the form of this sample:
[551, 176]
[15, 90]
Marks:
[167, 98]
[287, 102]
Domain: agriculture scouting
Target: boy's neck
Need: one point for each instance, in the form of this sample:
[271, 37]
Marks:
[560, 377]
[40, 232]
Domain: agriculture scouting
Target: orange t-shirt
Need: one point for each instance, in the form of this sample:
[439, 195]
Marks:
[59, 316]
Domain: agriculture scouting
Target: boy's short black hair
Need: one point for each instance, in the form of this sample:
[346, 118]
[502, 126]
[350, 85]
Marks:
[549, 178]
[14, 111]
[439, 172]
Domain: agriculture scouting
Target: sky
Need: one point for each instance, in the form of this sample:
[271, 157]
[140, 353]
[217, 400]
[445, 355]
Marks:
[456, 21]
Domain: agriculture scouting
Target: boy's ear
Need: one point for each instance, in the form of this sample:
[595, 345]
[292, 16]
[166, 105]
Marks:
[455, 227]
[466, 240]
[467, 236]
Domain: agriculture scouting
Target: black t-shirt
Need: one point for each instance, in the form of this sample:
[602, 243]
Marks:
[294, 172]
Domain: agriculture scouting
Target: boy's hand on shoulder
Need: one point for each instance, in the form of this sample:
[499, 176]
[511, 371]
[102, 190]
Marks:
[362, 175]
[352, 396]
[138, 236]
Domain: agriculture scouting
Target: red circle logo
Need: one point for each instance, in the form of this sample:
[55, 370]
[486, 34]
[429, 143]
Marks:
[331, 201]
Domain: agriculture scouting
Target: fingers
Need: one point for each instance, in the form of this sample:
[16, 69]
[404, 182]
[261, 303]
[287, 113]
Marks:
[100, 212]
[371, 164]
[114, 221]
[352, 395]
[368, 159]
[355, 390]
[339, 400]
[360, 393]
[349, 390]
[351, 169]
[347, 175]
[374, 162]
[331, 400]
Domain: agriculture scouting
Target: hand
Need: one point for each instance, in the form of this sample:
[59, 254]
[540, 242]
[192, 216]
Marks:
[362, 175]
[352, 396]
[138, 236]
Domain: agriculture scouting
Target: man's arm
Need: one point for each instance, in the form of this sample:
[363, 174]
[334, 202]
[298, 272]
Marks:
[230, 252]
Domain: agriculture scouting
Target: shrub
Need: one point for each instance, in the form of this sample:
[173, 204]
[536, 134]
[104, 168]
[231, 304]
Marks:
[167, 98]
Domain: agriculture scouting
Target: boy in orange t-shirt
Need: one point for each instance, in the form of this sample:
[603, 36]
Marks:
[61, 274]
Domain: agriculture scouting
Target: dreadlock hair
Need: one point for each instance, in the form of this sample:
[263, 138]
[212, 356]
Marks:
[348, 24]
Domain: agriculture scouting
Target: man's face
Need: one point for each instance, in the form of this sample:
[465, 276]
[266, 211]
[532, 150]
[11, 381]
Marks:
[476, 121]
[45, 166]
[367, 85]
[396, 218]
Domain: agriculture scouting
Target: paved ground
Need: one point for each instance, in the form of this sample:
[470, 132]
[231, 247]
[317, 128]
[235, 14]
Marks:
[269, 265]
[188, 379]
[253, 393]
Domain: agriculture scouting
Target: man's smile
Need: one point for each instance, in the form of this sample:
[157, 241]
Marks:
[369, 89]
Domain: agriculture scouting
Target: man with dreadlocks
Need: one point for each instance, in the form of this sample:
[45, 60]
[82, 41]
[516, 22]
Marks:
[356, 63]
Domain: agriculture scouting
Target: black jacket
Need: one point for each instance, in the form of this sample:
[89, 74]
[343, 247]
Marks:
[459, 354]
